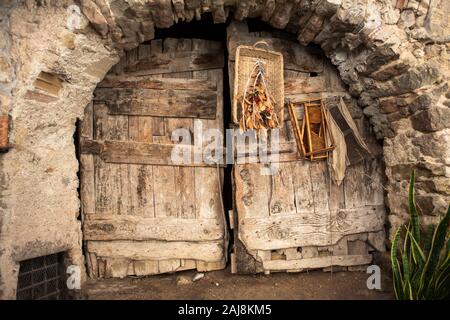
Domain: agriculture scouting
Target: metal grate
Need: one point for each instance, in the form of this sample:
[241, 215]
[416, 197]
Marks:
[41, 278]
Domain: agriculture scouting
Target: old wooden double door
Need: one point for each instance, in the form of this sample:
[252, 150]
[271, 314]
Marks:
[143, 214]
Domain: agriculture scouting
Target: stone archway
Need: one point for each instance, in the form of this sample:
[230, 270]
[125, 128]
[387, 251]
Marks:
[395, 61]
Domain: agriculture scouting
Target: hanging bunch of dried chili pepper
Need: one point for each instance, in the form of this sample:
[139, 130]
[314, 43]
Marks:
[258, 106]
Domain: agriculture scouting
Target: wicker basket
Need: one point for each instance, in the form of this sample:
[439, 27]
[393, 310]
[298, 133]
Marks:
[246, 56]
[4, 132]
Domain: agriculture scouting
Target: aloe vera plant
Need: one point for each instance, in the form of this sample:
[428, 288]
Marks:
[421, 267]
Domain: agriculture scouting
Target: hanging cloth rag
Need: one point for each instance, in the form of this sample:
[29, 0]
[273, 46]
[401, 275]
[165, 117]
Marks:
[348, 117]
[338, 160]
[350, 147]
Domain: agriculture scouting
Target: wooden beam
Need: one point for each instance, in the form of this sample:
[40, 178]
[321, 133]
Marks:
[132, 227]
[131, 152]
[318, 262]
[158, 250]
[309, 85]
[159, 103]
[125, 81]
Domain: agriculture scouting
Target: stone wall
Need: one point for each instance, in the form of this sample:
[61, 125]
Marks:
[394, 61]
[39, 198]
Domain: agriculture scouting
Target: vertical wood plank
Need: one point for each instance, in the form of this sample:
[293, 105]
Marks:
[337, 196]
[207, 196]
[319, 188]
[302, 187]
[112, 181]
[353, 182]
[87, 178]
[184, 183]
[373, 183]
[281, 191]
[141, 190]
[87, 185]
[140, 176]
[165, 196]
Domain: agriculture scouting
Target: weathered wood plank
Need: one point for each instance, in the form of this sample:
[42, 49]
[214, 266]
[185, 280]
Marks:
[302, 187]
[286, 231]
[184, 176]
[373, 182]
[170, 62]
[165, 196]
[111, 181]
[159, 103]
[141, 190]
[142, 153]
[337, 196]
[170, 265]
[158, 250]
[252, 197]
[116, 267]
[207, 195]
[149, 82]
[87, 178]
[103, 187]
[203, 266]
[141, 176]
[87, 125]
[100, 121]
[145, 267]
[309, 85]
[159, 128]
[185, 188]
[320, 187]
[353, 186]
[87, 184]
[301, 97]
[357, 247]
[281, 191]
[109, 127]
[318, 262]
[131, 227]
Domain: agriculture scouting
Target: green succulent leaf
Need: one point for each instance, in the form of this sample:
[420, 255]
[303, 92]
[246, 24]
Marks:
[421, 270]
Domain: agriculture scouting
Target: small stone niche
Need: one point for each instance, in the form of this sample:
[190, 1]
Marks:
[4, 130]
[46, 88]
[48, 83]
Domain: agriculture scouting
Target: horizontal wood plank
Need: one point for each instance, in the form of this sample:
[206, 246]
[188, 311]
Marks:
[317, 262]
[143, 82]
[158, 250]
[170, 62]
[131, 152]
[128, 227]
[159, 103]
[309, 85]
[309, 229]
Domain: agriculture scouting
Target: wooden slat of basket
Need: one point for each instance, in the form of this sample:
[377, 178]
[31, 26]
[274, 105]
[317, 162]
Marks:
[273, 62]
[297, 131]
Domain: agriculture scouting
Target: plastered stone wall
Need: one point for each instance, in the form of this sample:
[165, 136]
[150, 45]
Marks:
[39, 203]
[395, 61]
